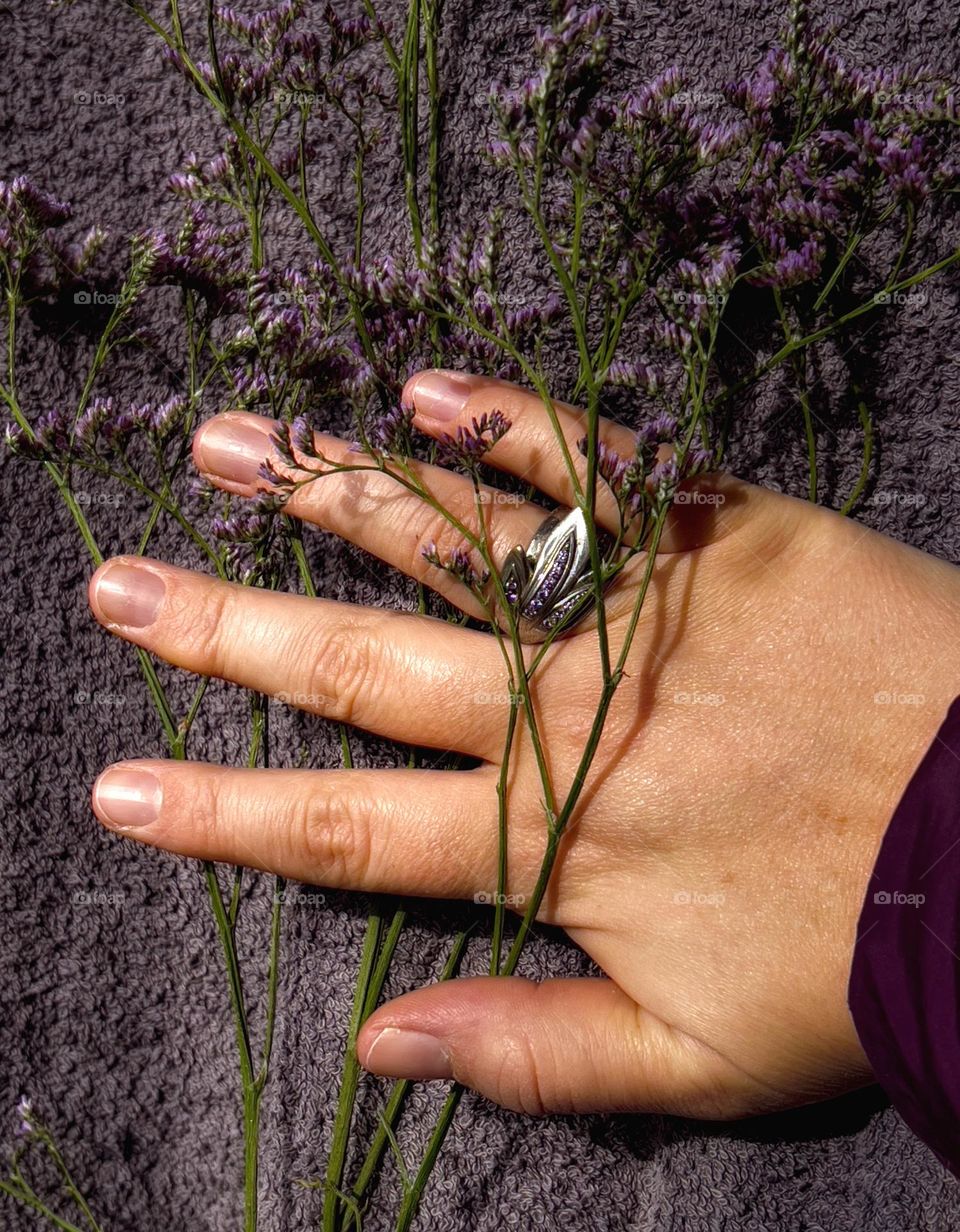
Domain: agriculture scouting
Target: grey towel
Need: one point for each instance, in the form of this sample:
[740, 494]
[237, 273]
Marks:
[115, 1019]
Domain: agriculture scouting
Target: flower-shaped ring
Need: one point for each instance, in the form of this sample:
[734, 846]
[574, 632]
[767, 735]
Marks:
[549, 584]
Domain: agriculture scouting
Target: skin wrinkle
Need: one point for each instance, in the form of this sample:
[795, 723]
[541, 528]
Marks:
[703, 869]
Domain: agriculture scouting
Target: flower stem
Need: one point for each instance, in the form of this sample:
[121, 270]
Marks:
[351, 1077]
[866, 423]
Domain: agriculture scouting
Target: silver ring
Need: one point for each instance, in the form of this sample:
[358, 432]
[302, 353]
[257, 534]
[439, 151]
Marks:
[549, 584]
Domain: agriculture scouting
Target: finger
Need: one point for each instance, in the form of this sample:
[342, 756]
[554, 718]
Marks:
[445, 400]
[564, 1045]
[706, 509]
[422, 832]
[408, 677]
[370, 508]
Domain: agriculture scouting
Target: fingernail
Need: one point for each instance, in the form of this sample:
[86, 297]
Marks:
[234, 446]
[439, 394]
[408, 1054]
[129, 595]
[126, 798]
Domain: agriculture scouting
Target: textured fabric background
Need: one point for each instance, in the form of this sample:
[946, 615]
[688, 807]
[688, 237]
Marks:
[114, 1014]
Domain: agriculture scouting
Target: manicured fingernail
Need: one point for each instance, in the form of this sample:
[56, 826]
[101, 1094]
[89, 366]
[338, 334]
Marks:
[126, 798]
[439, 394]
[234, 446]
[408, 1054]
[129, 595]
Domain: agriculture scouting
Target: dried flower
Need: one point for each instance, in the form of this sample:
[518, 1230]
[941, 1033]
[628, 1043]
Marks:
[469, 445]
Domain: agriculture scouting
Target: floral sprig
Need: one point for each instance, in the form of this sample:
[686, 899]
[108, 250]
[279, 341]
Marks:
[655, 215]
[36, 1141]
[459, 565]
[33, 255]
[467, 446]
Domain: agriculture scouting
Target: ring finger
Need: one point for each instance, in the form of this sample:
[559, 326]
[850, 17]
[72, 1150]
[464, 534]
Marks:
[422, 832]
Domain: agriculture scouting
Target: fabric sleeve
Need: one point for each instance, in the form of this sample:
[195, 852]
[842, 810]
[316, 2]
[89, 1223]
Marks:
[904, 990]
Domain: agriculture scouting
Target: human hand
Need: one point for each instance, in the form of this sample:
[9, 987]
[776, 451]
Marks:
[717, 860]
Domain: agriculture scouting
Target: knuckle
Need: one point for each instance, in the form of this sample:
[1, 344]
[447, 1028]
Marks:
[204, 800]
[518, 1081]
[341, 666]
[199, 626]
[333, 834]
[572, 715]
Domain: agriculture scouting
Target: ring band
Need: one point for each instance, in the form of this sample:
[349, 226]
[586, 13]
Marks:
[550, 582]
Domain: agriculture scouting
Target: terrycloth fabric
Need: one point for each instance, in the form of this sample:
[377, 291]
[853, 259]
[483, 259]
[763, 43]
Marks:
[115, 1019]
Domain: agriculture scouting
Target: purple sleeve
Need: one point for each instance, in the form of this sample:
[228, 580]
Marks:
[904, 991]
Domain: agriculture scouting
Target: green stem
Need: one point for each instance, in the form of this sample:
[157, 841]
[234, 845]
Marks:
[408, 98]
[30, 1199]
[866, 423]
[411, 1199]
[395, 1100]
[799, 366]
[499, 911]
[431, 16]
[350, 1079]
[797, 344]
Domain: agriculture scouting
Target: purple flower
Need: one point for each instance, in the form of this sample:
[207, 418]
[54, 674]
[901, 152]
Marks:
[634, 376]
[658, 431]
[612, 467]
[469, 445]
[390, 433]
[904, 164]
[248, 525]
[458, 564]
[23, 197]
[664, 479]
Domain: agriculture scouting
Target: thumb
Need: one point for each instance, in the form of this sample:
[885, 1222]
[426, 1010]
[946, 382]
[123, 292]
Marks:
[564, 1045]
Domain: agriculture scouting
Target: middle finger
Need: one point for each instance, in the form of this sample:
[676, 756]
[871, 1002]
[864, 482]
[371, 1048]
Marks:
[411, 678]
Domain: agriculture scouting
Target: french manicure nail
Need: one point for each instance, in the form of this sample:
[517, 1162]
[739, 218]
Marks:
[126, 798]
[396, 1053]
[440, 394]
[234, 446]
[129, 595]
